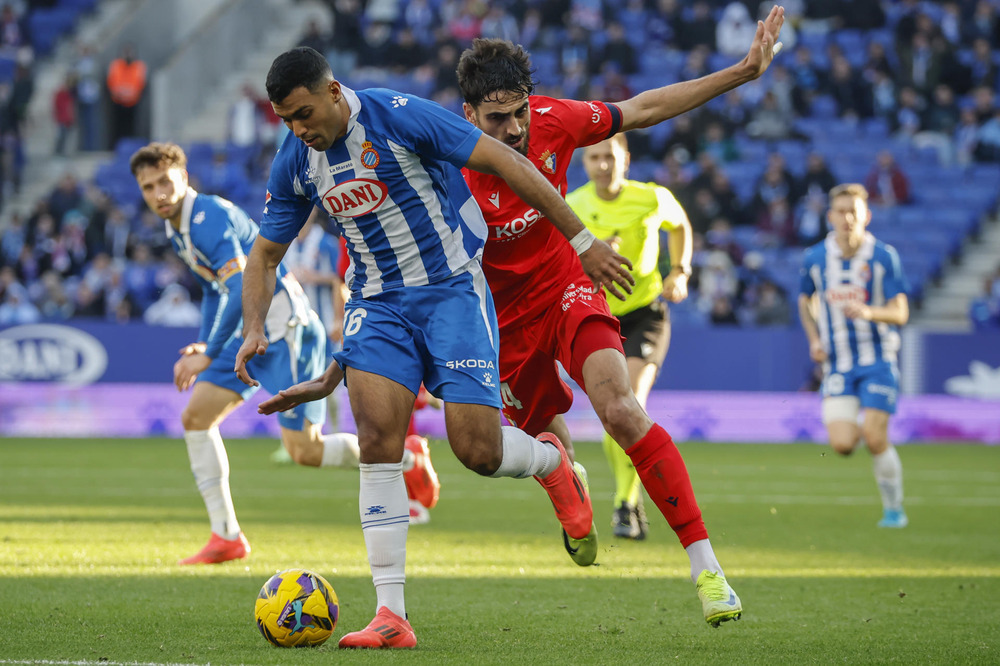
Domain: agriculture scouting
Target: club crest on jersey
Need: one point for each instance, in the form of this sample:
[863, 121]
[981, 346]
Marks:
[369, 156]
[548, 160]
[354, 198]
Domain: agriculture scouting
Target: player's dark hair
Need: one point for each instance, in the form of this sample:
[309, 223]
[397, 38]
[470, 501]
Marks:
[491, 68]
[156, 155]
[301, 66]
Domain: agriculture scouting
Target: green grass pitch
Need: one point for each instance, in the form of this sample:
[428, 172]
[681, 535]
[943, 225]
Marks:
[90, 532]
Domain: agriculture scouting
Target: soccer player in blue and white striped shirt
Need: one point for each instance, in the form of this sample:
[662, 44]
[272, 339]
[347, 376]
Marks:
[386, 167]
[852, 303]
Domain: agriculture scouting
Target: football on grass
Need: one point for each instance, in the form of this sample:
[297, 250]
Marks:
[296, 608]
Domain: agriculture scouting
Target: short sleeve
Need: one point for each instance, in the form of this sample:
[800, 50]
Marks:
[668, 209]
[427, 128]
[895, 281]
[286, 208]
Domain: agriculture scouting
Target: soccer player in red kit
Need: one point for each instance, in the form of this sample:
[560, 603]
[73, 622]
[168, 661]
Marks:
[547, 307]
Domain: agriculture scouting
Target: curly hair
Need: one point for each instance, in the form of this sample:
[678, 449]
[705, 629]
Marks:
[158, 154]
[492, 67]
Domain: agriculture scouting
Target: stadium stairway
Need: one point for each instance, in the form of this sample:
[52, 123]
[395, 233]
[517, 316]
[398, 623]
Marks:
[946, 306]
[212, 124]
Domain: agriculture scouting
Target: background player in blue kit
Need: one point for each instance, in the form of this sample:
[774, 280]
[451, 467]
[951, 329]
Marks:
[213, 237]
[386, 166]
[852, 303]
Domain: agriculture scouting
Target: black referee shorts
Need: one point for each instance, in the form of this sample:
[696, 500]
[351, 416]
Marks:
[647, 332]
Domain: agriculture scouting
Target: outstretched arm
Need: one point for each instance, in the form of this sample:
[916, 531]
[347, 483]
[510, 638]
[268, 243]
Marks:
[602, 264]
[654, 106]
[308, 391]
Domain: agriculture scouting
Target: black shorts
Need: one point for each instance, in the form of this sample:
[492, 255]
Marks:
[647, 332]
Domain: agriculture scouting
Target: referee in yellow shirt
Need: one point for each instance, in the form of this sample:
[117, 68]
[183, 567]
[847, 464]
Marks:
[629, 215]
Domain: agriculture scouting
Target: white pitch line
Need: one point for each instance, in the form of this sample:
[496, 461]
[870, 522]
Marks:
[48, 662]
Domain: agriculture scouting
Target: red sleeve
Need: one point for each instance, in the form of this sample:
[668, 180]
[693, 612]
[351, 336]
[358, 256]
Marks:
[344, 261]
[588, 122]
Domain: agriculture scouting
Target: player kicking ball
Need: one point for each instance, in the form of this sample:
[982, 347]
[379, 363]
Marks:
[213, 237]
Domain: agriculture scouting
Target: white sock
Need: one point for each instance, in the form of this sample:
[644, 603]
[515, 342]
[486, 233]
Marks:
[385, 517]
[702, 557]
[889, 477]
[210, 466]
[525, 456]
[340, 450]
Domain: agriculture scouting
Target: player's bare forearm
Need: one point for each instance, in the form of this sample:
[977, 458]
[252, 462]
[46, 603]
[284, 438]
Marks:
[308, 391]
[807, 318]
[654, 106]
[602, 264]
[259, 278]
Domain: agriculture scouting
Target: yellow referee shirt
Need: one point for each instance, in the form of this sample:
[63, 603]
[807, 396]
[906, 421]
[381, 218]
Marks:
[636, 216]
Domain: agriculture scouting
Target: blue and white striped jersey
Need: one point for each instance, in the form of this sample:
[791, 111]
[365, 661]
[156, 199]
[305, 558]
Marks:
[872, 276]
[393, 187]
[214, 239]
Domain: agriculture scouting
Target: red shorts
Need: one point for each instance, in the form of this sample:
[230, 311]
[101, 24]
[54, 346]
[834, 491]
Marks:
[532, 390]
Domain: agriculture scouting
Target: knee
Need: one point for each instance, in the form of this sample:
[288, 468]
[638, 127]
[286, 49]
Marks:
[192, 420]
[481, 459]
[623, 419]
[876, 439]
[843, 445]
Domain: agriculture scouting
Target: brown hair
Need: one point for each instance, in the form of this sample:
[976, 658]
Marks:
[158, 154]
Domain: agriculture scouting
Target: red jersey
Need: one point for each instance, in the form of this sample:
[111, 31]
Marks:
[527, 260]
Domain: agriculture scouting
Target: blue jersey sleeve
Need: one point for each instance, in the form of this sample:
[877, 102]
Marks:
[806, 285]
[217, 240]
[286, 208]
[427, 128]
[894, 282]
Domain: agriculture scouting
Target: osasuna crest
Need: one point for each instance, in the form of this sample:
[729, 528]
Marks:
[369, 156]
[548, 159]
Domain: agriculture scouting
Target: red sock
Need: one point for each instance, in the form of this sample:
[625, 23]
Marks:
[665, 478]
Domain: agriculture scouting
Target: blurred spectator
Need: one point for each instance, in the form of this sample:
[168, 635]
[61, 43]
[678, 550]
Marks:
[951, 22]
[849, 90]
[244, 119]
[984, 23]
[717, 143]
[139, 277]
[920, 64]
[344, 43]
[574, 51]
[421, 19]
[66, 196]
[698, 29]
[770, 123]
[13, 31]
[988, 140]
[716, 279]
[772, 307]
[315, 37]
[984, 311]
[810, 218]
[617, 51]
[613, 87]
[64, 113]
[126, 82]
[16, 308]
[883, 95]
[983, 67]
[499, 24]
[54, 302]
[375, 53]
[777, 182]
[817, 178]
[21, 91]
[87, 301]
[809, 80]
[735, 31]
[683, 136]
[722, 313]
[886, 183]
[665, 23]
[12, 239]
[776, 224]
[174, 308]
[966, 137]
[466, 24]
[908, 118]
[939, 123]
[591, 15]
[88, 97]
[822, 16]
[409, 56]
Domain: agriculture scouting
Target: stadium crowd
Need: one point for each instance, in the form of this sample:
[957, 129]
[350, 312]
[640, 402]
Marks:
[923, 74]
